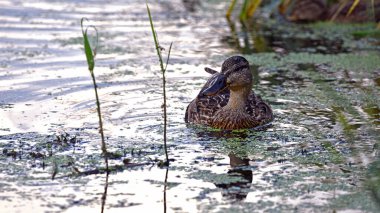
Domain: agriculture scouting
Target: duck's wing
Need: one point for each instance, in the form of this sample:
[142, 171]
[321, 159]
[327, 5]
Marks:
[203, 107]
[260, 110]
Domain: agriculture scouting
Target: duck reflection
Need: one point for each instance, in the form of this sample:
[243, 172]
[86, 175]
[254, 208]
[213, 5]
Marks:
[237, 190]
[240, 172]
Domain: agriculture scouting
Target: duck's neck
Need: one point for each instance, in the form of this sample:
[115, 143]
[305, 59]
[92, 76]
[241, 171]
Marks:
[238, 99]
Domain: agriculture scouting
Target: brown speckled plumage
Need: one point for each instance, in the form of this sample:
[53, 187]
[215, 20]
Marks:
[232, 107]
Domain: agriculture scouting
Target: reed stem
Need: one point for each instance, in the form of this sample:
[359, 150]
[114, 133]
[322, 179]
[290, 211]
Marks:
[104, 147]
[90, 56]
[163, 71]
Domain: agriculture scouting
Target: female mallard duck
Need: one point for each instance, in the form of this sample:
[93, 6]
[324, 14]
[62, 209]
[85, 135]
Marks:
[303, 10]
[226, 101]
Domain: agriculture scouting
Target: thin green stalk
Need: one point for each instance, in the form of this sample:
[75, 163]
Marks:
[243, 12]
[90, 56]
[353, 6]
[230, 8]
[253, 7]
[340, 8]
[165, 117]
[163, 71]
[104, 148]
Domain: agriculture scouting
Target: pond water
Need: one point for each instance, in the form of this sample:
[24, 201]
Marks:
[321, 153]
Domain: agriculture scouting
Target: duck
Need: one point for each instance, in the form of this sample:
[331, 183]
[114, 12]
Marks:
[227, 101]
[303, 10]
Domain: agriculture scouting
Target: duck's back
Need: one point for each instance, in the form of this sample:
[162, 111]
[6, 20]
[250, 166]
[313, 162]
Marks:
[203, 108]
[258, 109]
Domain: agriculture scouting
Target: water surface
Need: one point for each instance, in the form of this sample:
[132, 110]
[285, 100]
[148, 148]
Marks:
[320, 154]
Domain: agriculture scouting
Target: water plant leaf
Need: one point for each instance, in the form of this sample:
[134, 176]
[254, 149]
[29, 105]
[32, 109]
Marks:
[90, 54]
[156, 43]
[167, 60]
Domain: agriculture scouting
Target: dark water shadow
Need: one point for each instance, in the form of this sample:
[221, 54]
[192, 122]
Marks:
[236, 183]
[237, 190]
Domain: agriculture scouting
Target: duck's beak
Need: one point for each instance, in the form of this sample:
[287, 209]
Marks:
[217, 85]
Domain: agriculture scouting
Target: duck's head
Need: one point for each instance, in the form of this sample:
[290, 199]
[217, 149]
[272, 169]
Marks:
[235, 75]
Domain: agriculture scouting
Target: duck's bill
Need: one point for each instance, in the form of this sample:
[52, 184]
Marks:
[211, 71]
[217, 84]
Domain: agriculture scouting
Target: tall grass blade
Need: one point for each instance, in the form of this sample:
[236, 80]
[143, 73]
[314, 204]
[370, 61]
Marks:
[230, 8]
[353, 6]
[90, 55]
[158, 48]
[163, 70]
[87, 47]
[243, 12]
[253, 7]
[167, 60]
[373, 10]
[340, 8]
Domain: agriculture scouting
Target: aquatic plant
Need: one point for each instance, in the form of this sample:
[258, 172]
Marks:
[342, 8]
[353, 6]
[247, 11]
[90, 56]
[342, 5]
[163, 71]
